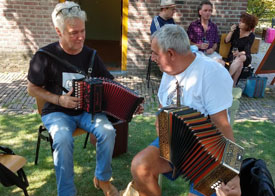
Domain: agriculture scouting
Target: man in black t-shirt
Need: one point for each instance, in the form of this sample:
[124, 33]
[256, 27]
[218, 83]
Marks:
[47, 79]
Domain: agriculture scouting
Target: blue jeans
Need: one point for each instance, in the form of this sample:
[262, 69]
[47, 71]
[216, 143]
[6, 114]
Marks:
[61, 127]
[169, 174]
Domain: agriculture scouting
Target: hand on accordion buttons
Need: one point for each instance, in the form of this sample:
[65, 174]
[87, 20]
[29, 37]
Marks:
[68, 101]
[232, 188]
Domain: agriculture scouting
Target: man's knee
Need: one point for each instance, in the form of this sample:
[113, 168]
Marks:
[142, 164]
[62, 139]
[106, 133]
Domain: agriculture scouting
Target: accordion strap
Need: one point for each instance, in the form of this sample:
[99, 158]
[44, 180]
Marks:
[68, 64]
[90, 69]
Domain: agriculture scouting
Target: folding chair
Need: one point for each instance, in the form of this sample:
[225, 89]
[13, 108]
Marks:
[11, 169]
[121, 142]
[44, 134]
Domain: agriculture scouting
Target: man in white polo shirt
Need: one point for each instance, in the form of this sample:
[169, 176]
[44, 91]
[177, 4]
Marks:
[203, 85]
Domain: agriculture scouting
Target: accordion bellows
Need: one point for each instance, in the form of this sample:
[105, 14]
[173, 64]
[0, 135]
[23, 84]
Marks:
[197, 150]
[108, 96]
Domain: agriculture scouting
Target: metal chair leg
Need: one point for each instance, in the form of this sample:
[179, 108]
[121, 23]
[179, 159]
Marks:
[51, 142]
[86, 140]
[38, 145]
[47, 138]
[25, 192]
[148, 72]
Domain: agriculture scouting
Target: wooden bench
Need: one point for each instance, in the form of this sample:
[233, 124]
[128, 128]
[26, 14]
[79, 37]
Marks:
[224, 51]
[225, 48]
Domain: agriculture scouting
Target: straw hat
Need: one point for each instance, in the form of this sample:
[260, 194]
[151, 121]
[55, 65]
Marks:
[167, 3]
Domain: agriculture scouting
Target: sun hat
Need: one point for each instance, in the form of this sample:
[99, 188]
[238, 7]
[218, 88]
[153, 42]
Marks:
[167, 3]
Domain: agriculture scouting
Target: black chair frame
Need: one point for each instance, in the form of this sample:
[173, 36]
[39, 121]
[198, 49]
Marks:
[8, 178]
[46, 136]
[149, 71]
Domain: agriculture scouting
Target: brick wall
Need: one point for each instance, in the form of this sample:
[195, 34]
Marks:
[141, 12]
[25, 25]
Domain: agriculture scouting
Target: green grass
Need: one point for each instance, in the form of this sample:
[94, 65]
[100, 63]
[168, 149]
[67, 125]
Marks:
[258, 140]
[20, 134]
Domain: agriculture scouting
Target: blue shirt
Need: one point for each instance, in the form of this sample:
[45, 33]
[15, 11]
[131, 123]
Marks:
[161, 22]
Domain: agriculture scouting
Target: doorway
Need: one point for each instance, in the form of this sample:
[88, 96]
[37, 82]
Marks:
[104, 30]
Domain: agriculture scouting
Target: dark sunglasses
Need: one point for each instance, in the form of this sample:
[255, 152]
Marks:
[65, 11]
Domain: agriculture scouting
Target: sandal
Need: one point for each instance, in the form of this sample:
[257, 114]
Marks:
[96, 183]
[108, 189]
[129, 191]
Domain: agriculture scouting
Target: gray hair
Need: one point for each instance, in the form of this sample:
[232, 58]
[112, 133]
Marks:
[67, 11]
[171, 36]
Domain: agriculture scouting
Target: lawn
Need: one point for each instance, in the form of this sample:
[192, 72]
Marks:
[19, 132]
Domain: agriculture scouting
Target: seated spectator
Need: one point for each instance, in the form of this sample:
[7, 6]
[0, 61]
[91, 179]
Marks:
[241, 38]
[167, 10]
[204, 33]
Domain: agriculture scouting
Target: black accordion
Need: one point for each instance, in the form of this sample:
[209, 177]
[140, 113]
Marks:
[108, 96]
[197, 149]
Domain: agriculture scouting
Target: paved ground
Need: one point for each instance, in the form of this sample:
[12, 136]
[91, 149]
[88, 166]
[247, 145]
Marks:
[15, 100]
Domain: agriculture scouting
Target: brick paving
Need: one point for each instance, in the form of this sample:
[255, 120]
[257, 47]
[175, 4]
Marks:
[14, 98]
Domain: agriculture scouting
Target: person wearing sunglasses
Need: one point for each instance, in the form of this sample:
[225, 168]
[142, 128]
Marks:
[51, 80]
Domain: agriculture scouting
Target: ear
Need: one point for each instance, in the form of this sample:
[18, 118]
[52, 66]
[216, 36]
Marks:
[58, 32]
[171, 53]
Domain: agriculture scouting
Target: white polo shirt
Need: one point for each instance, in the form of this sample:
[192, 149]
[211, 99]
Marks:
[205, 86]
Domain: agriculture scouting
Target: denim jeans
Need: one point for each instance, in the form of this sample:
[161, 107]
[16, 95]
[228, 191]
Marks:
[61, 127]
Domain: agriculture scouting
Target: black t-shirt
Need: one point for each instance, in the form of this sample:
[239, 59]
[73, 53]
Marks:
[50, 74]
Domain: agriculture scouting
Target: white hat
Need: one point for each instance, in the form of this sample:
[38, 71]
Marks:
[167, 3]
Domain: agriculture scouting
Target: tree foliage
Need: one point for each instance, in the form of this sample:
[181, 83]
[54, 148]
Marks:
[261, 8]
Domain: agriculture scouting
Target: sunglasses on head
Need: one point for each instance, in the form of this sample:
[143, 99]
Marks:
[65, 11]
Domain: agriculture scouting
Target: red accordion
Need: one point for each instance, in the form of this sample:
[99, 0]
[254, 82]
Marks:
[108, 96]
[197, 150]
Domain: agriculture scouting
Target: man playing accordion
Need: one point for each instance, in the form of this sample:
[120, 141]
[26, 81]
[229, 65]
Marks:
[47, 79]
[202, 84]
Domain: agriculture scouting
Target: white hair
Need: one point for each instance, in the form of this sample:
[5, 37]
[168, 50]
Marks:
[59, 16]
[171, 36]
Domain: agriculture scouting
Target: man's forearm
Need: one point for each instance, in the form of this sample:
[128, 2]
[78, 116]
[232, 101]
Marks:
[221, 122]
[37, 91]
